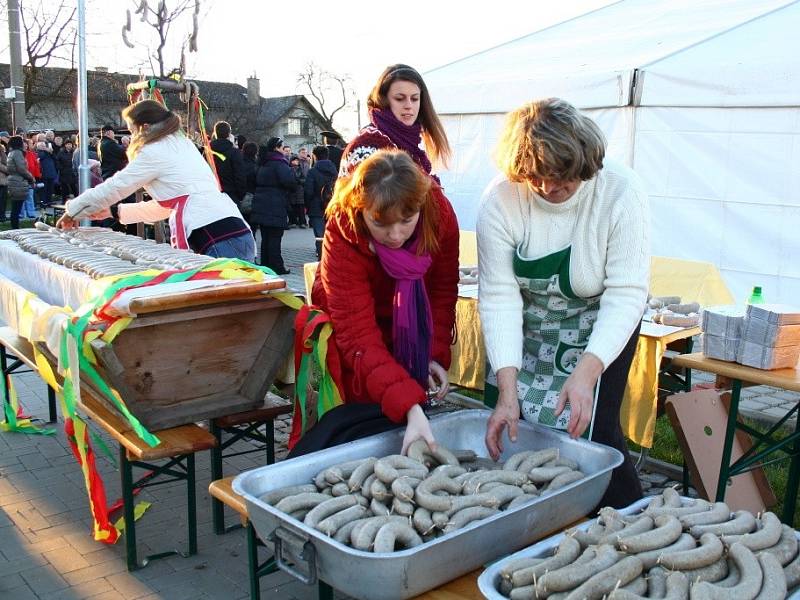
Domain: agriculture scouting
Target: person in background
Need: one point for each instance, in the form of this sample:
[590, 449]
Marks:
[47, 164]
[228, 162]
[112, 156]
[318, 191]
[125, 141]
[249, 154]
[401, 116]
[166, 163]
[66, 176]
[564, 255]
[275, 182]
[29, 209]
[287, 152]
[330, 140]
[297, 216]
[240, 142]
[388, 280]
[4, 137]
[20, 179]
[305, 161]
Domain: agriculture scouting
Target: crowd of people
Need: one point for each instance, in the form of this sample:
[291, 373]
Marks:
[562, 242]
[50, 171]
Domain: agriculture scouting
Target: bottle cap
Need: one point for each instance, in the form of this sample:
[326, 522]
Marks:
[757, 289]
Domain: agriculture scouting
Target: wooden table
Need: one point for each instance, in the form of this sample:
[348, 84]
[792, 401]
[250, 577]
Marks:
[765, 444]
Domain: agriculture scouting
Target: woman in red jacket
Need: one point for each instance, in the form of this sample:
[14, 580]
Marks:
[389, 281]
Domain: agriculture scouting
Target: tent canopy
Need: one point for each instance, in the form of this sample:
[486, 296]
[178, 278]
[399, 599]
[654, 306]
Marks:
[684, 52]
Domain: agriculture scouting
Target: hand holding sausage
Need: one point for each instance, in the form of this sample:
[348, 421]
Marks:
[418, 427]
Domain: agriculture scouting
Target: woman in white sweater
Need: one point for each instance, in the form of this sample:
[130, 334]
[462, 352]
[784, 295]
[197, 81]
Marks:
[182, 186]
[564, 259]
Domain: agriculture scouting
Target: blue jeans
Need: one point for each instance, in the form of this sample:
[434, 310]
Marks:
[318, 225]
[29, 208]
[242, 246]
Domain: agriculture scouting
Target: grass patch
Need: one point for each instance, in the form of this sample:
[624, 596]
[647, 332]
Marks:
[666, 448]
[23, 223]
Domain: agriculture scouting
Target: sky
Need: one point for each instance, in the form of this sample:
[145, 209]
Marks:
[275, 40]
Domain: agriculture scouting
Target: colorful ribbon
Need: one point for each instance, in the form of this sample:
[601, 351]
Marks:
[316, 359]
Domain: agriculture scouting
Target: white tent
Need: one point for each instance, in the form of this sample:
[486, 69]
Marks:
[702, 99]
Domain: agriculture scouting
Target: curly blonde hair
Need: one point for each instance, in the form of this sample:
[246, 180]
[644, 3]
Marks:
[550, 139]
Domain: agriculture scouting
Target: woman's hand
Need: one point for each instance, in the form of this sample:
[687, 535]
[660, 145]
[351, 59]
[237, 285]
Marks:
[417, 427]
[506, 413]
[66, 222]
[437, 380]
[579, 391]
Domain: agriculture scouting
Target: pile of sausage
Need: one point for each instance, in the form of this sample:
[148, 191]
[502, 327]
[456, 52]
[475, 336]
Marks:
[395, 502]
[671, 550]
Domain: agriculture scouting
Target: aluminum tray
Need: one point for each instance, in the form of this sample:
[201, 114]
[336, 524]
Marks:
[407, 573]
[490, 578]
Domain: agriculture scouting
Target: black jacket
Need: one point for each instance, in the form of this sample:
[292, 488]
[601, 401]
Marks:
[250, 168]
[319, 187]
[230, 171]
[335, 156]
[112, 157]
[275, 181]
[64, 166]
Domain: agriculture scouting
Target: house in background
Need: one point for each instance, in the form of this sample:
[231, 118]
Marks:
[51, 105]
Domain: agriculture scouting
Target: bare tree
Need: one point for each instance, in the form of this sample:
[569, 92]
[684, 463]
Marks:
[49, 35]
[161, 18]
[329, 91]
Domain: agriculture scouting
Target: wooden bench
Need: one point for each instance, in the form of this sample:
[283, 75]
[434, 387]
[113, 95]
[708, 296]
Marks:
[244, 425]
[222, 491]
[9, 340]
[178, 446]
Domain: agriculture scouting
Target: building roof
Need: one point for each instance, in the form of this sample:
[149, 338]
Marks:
[107, 87]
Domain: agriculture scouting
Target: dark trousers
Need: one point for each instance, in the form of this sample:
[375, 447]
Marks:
[625, 487]
[16, 209]
[298, 215]
[45, 193]
[3, 202]
[271, 248]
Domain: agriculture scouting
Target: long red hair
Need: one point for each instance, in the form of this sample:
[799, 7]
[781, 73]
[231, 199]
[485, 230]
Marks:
[389, 186]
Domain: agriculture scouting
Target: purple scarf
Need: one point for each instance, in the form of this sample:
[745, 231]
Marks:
[412, 322]
[405, 137]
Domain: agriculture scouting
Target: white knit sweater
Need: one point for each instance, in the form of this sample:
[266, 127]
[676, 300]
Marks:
[607, 223]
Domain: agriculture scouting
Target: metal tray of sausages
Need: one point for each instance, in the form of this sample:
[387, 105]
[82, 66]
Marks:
[489, 580]
[407, 573]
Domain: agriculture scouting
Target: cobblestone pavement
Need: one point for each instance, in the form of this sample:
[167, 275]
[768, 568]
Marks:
[46, 548]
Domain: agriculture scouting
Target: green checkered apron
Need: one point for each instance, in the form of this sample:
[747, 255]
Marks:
[556, 324]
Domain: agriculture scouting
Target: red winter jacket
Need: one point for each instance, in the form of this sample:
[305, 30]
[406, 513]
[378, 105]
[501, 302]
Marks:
[352, 287]
[33, 164]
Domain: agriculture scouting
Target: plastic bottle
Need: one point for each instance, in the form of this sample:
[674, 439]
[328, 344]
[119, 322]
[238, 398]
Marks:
[756, 297]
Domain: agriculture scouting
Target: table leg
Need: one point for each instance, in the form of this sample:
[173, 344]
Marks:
[6, 374]
[727, 448]
[51, 404]
[126, 474]
[192, 501]
[790, 499]
[217, 508]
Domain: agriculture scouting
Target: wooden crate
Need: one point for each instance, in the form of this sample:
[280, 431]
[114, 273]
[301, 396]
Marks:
[184, 365]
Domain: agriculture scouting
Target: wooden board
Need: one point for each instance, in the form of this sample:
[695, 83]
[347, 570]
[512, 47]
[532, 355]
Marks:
[699, 419]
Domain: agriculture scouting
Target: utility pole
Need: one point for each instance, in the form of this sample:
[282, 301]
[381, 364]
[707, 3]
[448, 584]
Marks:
[358, 112]
[18, 118]
[83, 103]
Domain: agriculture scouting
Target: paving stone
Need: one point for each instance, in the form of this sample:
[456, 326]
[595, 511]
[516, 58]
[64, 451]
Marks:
[22, 592]
[95, 571]
[44, 581]
[771, 400]
[129, 585]
[66, 559]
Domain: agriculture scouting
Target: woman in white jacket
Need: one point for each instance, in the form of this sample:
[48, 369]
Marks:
[164, 162]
